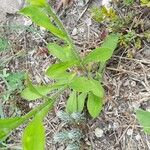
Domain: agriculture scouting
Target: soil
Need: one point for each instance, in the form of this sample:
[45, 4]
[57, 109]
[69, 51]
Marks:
[126, 79]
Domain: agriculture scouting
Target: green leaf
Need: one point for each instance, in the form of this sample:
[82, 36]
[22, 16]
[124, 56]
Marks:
[128, 2]
[37, 2]
[7, 125]
[15, 81]
[111, 41]
[97, 88]
[144, 119]
[103, 53]
[94, 105]
[81, 101]
[64, 53]
[58, 71]
[82, 84]
[43, 112]
[43, 90]
[34, 135]
[38, 16]
[72, 103]
[98, 55]
[145, 3]
[32, 89]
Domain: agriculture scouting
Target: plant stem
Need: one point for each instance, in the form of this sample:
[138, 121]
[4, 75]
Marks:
[69, 40]
[37, 109]
[50, 102]
[100, 72]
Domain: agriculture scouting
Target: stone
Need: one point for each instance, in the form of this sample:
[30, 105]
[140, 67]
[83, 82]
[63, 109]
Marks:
[133, 83]
[75, 31]
[9, 6]
[106, 3]
[138, 137]
[130, 132]
[99, 132]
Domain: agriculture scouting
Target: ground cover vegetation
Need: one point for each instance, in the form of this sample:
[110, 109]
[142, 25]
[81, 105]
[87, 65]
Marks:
[71, 72]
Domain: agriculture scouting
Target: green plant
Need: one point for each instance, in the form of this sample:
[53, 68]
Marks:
[13, 82]
[144, 120]
[75, 117]
[100, 14]
[127, 38]
[3, 44]
[71, 138]
[145, 3]
[128, 2]
[66, 136]
[83, 87]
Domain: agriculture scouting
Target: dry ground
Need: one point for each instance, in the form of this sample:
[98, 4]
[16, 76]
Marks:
[126, 80]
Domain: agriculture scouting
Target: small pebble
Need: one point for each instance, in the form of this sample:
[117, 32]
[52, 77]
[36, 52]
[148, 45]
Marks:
[75, 31]
[135, 105]
[116, 112]
[38, 79]
[138, 137]
[27, 22]
[81, 30]
[81, 3]
[126, 83]
[42, 29]
[30, 105]
[106, 3]
[133, 83]
[98, 132]
[89, 22]
[61, 148]
[115, 125]
[130, 132]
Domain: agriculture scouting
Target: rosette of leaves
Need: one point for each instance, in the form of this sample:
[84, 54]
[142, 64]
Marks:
[70, 138]
[75, 117]
[100, 14]
[73, 135]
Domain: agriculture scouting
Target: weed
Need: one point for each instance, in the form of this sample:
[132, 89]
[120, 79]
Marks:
[132, 34]
[128, 2]
[86, 90]
[71, 138]
[3, 44]
[13, 81]
[127, 38]
[145, 3]
[100, 14]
